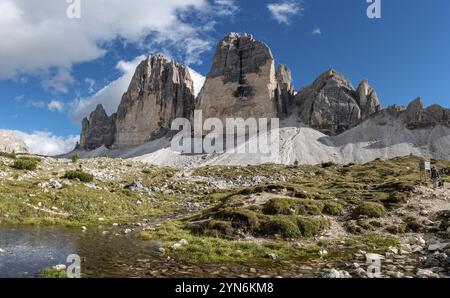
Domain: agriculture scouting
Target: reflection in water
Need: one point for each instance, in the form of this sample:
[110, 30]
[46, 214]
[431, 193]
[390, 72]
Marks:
[27, 250]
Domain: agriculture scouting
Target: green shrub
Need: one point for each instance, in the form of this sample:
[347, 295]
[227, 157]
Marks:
[80, 175]
[333, 208]
[212, 228]
[25, 164]
[369, 209]
[75, 158]
[293, 207]
[310, 227]
[52, 273]
[8, 155]
[280, 225]
[239, 217]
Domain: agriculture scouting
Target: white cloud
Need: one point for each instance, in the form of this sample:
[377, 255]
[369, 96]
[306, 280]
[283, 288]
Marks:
[55, 105]
[283, 11]
[36, 104]
[90, 83]
[226, 7]
[45, 143]
[316, 31]
[111, 94]
[39, 39]
[198, 79]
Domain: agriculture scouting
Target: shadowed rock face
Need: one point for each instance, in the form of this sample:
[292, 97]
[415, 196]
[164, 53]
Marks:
[159, 92]
[243, 82]
[332, 105]
[98, 130]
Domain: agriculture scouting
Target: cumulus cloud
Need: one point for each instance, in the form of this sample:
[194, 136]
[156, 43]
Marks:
[316, 31]
[283, 11]
[39, 39]
[55, 105]
[45, 143]
[111, 94]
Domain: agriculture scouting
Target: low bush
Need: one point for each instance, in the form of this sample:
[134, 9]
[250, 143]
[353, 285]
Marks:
[369, 209]
[80, 175]
[25, 164]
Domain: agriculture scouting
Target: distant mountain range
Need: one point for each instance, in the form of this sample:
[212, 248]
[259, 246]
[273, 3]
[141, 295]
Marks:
[328, 120]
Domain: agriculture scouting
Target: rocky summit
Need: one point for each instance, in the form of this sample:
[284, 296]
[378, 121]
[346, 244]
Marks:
[160, 91]
[98, 129]
[328, 120]
[243, 81]
[332, 105]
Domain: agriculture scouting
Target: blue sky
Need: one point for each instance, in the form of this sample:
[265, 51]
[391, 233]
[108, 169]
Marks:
[53, 67]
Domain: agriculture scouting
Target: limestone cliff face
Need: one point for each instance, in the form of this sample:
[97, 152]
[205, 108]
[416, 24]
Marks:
[417, 117]
[159, 92]
[9, 142]
[98, 130]
[332, 105]
[243, 82]
[285, 91]
[367, 99]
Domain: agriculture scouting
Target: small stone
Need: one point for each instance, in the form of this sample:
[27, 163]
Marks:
[426, 273]
[176, 246]
[101, 219]
[393, 250]
[322, 253]
[252, 270]
[83, 228]
[127, 231]
[162, 250]
[438, 246]
[272, 256]
[183, 242]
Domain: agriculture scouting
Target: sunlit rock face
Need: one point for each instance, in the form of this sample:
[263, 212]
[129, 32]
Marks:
[160, 91]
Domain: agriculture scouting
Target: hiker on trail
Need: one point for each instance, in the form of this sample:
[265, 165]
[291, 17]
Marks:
[435, 177]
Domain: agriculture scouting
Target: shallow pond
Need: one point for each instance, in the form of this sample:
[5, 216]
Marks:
[25, 251]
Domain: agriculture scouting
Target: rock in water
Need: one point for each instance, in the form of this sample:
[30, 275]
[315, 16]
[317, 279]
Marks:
[9, 142]
[243, 83]
[160, 91]
[98, 130]
[332, 105]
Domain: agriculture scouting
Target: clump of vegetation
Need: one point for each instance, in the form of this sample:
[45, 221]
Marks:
[26, 163]
[75, 158]
[280, 225]
[302, 207]
[239, 217]
[52, 273]
[328, 164]
[369, 209]
[80, 175]
[8, 155]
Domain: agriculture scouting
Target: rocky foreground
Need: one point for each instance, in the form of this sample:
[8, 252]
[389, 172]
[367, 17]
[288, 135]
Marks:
[266, 220]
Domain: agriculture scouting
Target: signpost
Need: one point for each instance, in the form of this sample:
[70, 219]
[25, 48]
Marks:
[425, 167]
